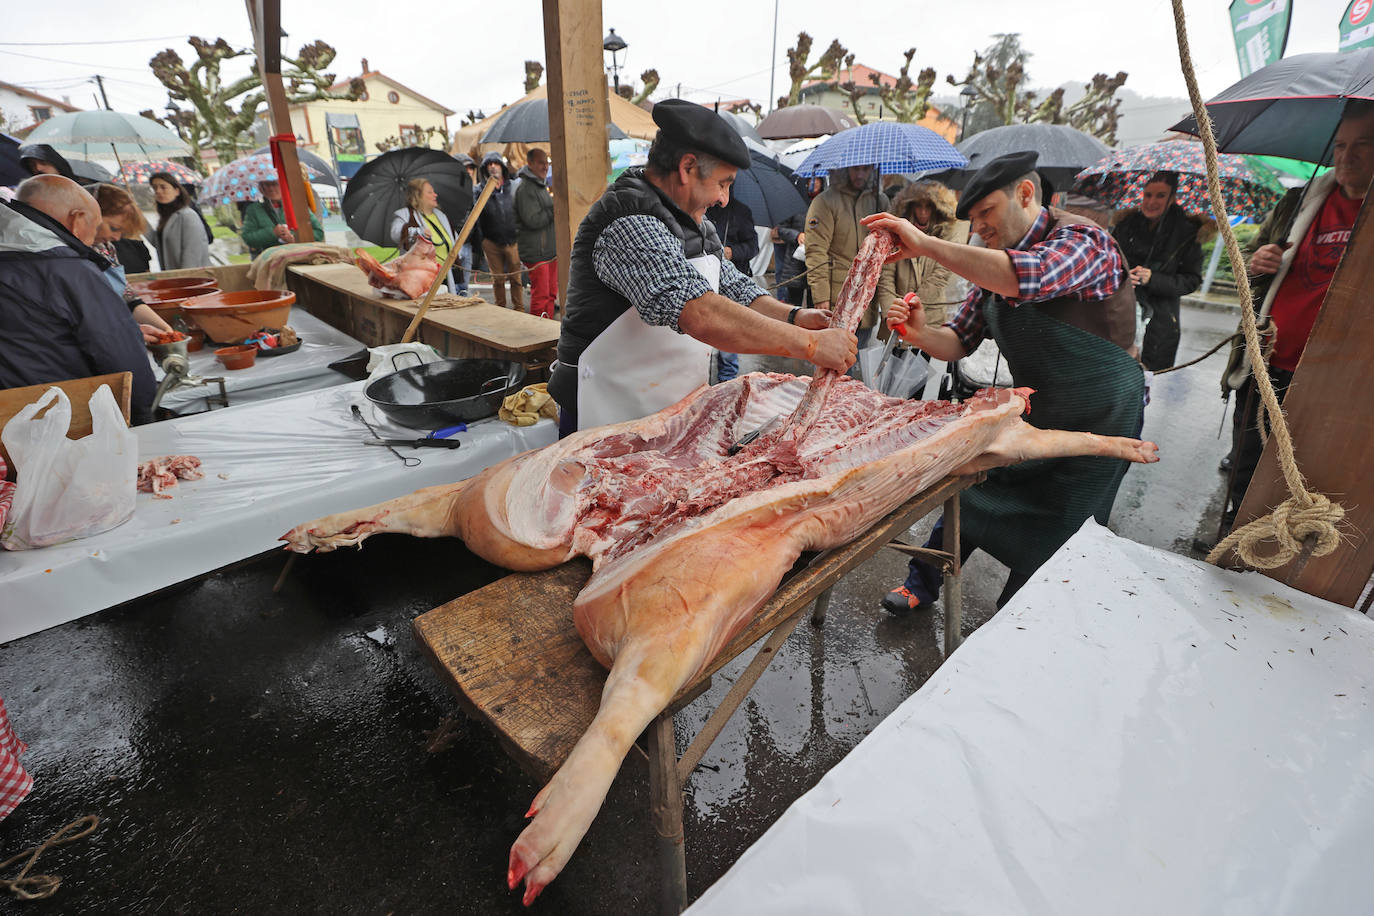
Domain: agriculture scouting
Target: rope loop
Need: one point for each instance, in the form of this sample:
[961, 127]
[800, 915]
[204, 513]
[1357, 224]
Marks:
[1294, 523]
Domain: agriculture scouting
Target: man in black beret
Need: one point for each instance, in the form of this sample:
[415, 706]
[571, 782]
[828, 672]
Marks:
[1051, 289]
[650, 295]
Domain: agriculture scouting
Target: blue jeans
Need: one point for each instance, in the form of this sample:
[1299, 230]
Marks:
[460, 275]
[727, 365]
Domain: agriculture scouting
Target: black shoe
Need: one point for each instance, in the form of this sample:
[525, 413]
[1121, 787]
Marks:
[1225, 464]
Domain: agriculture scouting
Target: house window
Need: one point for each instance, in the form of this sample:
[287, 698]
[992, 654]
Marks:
[40, 114]
[393, 97]
[349, 140]
[410, 134]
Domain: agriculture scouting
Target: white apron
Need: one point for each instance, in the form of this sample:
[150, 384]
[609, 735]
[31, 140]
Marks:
[633, 369]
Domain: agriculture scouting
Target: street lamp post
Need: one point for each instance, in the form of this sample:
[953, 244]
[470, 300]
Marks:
[969, 95]
[615, 44]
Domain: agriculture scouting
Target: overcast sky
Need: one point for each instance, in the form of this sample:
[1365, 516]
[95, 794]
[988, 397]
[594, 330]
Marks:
[461, 56]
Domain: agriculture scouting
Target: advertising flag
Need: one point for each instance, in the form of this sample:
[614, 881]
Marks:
[1261, 31]
[1357, 26]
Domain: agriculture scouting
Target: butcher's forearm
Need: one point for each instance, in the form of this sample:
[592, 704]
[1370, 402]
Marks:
[987, 268]
[940, 342]
[728, 326]
[771, 308]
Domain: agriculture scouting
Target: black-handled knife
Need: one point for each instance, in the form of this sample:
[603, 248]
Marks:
[416, 443]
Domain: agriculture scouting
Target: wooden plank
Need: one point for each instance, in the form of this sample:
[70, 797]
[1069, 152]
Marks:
[1331, 418]
[516, 662]
[577, 117]
[79, 391]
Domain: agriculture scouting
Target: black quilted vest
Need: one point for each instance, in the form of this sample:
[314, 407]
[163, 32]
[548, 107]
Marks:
[592, 306]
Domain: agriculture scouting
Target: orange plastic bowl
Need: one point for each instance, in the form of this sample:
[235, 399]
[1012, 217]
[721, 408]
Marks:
[240, 357]
[236, 316]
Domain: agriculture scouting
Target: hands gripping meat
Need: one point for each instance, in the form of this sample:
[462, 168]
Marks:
[410, 275]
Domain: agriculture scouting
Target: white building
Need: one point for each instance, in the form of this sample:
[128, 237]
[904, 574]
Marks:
[21, 109]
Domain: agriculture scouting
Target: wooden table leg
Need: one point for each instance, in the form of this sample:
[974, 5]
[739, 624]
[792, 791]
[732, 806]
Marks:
[954, 595]
[665, 800]
[822, 605]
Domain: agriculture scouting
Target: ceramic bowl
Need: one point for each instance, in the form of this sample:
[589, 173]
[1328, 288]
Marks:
[239, 357]
[230, 317]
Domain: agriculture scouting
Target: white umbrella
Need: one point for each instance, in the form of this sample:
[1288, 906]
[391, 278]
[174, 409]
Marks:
[91, 133]
[795, 154]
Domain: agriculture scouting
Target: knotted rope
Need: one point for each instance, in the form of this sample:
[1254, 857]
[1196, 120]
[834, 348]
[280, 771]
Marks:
[35, 887]
[1306, 518]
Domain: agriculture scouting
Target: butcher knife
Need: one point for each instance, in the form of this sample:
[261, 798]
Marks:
[416, 443]
[751, 436]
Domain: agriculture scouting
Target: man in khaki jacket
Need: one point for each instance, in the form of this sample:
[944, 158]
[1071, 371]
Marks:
[833, 235]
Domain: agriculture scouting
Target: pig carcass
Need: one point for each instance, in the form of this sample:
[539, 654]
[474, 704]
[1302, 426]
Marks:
[688, 541]
[409, 276]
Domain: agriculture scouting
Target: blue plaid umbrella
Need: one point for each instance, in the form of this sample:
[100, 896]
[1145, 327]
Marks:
[893, 147]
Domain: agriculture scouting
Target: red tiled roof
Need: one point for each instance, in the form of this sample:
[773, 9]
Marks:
[43, 99]
[859, 74]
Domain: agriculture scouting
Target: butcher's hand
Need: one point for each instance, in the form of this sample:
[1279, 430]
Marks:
[814, 319]
[1266, 259]
[911, 242]
[907, 318]
[833, 348]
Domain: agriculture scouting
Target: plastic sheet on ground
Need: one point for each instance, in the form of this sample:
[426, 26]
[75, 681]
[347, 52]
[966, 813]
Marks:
[268, 467]
[1136, 733]
[307, 369]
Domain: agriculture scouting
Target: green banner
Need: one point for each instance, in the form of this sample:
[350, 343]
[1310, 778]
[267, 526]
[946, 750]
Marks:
[1261, 31]
[1357, 26]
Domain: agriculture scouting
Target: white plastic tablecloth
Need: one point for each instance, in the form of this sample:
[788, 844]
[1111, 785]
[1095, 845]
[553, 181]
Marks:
[268, 467]
[307, 369]
[1136, 733]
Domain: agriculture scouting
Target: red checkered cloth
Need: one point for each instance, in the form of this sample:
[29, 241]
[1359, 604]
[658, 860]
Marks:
[14, 782]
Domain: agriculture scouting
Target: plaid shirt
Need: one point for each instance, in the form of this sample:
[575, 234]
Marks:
[1077, 258]
[639, 258]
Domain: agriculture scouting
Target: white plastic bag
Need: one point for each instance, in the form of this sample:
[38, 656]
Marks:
[69, 488]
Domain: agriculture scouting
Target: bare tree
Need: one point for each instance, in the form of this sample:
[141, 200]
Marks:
[225, 111]
[472, 117]
[800, 69]
[649, 80]
[908, 100]
[534, 72]
[420, 137]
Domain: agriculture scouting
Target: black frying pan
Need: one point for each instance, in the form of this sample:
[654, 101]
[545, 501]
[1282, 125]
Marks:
[449, 391]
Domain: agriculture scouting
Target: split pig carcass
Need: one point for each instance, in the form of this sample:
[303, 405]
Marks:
[689, 535]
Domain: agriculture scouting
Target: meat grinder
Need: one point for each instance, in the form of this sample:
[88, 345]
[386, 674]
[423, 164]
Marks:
[175, 363]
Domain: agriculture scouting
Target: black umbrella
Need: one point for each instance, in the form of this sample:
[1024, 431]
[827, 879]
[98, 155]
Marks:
[1064, 151]
[528, 122]
[1289, 108]
[740, 125]
[312, 161]
[90, 172]
[378, 190]
[766, 188]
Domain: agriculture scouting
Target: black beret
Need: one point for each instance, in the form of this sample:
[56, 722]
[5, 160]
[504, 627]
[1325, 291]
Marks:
[698, 128]
[994, 176]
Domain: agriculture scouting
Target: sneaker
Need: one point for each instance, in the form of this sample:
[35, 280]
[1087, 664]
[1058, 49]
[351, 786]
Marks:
[901, 600]
[1225, 464]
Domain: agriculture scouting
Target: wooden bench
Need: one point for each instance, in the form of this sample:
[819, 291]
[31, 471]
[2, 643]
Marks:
[514, 659]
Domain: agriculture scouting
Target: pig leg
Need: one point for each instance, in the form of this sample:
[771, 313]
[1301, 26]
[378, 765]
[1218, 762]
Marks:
[426, 513]
[1023, 442]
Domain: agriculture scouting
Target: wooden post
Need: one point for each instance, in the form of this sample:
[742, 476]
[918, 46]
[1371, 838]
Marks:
[954, 590]
[1331, 416]
[577, 117]
[264, 16]
[665, 802]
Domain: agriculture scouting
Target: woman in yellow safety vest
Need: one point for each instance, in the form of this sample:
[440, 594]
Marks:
[422, 218]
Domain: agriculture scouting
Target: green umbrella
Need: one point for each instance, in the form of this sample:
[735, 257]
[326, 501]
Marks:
[91, 133]
[1294, 168]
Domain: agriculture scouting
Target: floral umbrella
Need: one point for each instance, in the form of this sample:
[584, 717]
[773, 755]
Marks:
[239, 180]
[138, 172]
[1248, 188]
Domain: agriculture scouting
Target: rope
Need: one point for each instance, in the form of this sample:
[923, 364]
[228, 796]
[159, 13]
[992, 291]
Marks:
[1305, 515]
[24, 886]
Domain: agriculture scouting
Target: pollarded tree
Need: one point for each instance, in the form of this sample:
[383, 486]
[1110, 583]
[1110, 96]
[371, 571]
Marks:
[800, 69]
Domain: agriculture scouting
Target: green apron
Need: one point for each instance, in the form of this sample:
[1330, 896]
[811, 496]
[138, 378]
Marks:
[1022, 514]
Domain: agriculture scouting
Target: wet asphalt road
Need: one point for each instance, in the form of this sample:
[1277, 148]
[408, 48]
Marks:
[252, 752]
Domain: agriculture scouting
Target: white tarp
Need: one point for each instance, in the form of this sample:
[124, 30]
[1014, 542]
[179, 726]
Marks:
[268, 467]
[307, 369]
[1137, 732]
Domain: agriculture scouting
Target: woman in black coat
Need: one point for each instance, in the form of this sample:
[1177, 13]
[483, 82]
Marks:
[1161, 248]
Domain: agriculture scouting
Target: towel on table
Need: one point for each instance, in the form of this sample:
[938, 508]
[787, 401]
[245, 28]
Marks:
[268, 270]
[526, 406]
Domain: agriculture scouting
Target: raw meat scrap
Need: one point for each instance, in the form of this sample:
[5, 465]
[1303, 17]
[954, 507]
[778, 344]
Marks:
[410, 275]
[158, 474]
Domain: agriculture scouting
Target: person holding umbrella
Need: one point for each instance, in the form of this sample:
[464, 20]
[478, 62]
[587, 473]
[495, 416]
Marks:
[1052, 290]
[1293, 261]
[650, 295]
[42, 159]
[833, 235]
[1160, 243]
[264, 221]
[421, 218]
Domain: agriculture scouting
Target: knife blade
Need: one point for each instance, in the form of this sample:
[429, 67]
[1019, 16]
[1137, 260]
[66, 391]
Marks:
[416, 443]
[751, 436]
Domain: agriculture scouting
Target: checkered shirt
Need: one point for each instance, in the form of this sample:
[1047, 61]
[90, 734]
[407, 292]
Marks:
[1077, 258]
[639, 258]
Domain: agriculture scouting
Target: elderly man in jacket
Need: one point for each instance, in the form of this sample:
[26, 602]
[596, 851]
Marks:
[833, 235]
[59, 318]
[534, 236]
[1295, 257]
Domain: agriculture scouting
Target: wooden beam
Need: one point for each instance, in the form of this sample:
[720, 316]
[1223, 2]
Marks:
[1331, 416]
[264, 16]
[577, 117]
